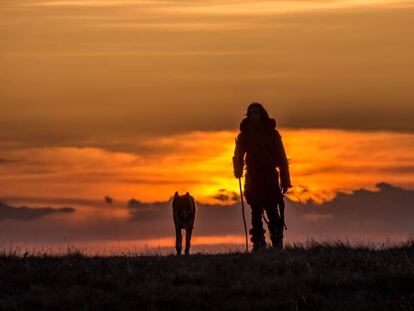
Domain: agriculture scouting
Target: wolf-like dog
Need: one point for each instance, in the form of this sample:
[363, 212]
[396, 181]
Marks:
[184, 210]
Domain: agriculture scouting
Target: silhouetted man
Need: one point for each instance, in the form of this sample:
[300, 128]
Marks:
[259, 146]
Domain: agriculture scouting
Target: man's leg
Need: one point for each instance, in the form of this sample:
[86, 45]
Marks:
[257, 232]
[275, 225]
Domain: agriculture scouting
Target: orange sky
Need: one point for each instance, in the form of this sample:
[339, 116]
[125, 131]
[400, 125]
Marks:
[138, 99]
[79, 69]
[322, 162]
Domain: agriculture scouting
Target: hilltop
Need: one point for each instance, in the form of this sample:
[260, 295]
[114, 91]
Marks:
[303, 277]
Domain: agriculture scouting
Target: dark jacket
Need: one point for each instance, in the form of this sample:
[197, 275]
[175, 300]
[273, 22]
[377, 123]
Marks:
[261, 149]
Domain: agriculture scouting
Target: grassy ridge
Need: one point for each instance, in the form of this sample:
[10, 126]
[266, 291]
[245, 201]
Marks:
[312, 277]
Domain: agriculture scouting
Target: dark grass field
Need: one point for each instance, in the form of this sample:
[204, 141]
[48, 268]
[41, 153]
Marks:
[303, 277]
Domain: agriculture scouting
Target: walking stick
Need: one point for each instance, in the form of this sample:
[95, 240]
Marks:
[244, 217]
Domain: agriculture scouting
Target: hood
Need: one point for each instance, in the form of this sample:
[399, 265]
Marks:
[268, 123]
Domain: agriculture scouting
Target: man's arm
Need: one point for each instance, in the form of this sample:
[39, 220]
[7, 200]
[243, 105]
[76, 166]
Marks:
[283, 166]
[238, 157]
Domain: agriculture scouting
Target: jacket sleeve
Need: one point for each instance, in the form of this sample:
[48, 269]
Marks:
[238, 157]
[283, 164]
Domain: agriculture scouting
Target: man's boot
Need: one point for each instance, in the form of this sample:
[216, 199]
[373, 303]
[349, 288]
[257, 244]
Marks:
[258, 239]
[276, 235]
[277, 242]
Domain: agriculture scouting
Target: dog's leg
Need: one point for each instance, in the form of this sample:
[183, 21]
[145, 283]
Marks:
[178, 240]
[187, 240]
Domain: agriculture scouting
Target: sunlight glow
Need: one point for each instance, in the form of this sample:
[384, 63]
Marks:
[322, 162]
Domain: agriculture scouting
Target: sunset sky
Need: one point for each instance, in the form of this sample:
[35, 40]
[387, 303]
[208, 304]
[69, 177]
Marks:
[140, 98]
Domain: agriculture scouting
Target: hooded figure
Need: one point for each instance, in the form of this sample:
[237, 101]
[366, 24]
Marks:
[259, 146]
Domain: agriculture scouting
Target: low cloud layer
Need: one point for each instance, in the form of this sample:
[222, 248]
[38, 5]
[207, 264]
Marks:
[387, 211]
[376, 215]
[8, 212]
[226, 197]
[5, 161]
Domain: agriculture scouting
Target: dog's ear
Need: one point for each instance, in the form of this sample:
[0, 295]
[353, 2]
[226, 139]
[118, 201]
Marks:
[187, 194]
[175, 199]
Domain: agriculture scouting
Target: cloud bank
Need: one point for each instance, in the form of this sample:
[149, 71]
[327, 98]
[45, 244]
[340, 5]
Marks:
[322, 163]
[363, 214]
[387, 211]
[8, 212]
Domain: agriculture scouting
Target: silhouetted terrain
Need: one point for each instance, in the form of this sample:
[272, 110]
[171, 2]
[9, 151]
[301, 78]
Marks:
[312, 277]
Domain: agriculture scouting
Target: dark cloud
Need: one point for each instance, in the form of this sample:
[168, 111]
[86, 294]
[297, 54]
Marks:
[6, 161]
[51, 200]
[134, 203]
[388, 211]
[363, 214]
[226, 197]
[8, 212]
[108, 199]
[141, 212]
